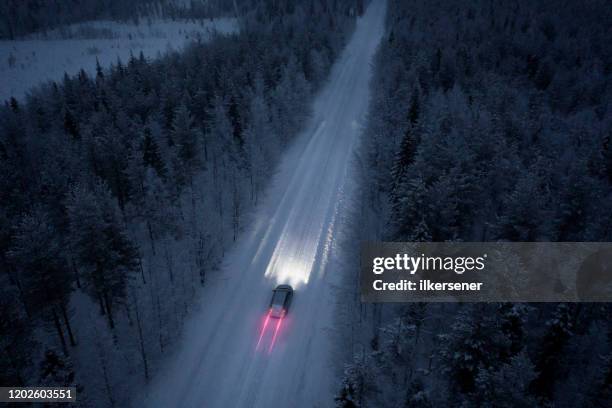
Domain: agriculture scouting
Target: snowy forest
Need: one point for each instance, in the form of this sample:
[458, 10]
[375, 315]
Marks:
[122, 191]
[489, 121]
[21, 17]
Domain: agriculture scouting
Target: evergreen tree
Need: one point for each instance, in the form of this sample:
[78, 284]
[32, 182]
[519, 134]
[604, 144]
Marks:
[559, 330]
[403, 159]
[417, 396]
[44, 272]
[16, 339]
[100, 244]
[55, 370]
[473, 344]
[70, 125]
[415, 108]
[508, 386]
[513, 317]
[358, 382]
[234, 117]
[151, 155]
[187, 140]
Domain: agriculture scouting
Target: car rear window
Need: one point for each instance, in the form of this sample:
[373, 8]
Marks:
[279, 297]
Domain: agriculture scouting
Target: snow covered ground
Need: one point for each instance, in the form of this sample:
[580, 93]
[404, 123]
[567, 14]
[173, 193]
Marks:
[27, 62]
[218, 363]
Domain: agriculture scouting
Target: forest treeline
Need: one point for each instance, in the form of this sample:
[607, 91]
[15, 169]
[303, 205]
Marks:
[21, 17]
[489, 121]
[121, 191]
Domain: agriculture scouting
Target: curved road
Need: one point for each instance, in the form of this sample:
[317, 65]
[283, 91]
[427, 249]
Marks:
[218, 363]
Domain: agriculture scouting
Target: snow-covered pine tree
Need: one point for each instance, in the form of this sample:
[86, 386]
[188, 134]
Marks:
[507, 386]
[105, 255]
[44, 273]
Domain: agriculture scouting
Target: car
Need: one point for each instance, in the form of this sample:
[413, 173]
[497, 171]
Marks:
[281, 299]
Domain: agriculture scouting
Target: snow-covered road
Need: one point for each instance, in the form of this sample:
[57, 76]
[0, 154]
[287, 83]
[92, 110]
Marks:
[217, 364]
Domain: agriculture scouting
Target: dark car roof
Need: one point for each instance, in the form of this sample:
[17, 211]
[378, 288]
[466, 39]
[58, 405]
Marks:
[279, 298]
[284, 288]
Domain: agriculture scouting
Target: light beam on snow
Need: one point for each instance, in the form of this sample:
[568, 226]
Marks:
[289, 269]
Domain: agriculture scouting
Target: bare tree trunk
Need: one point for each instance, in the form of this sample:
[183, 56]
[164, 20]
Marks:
[236, 9]
[144, 281]
[150, 229]
[109, 310]
[200, 259]
[236, 209]
[251, 184]
[109, 391]
[205, 145]
[159, 323]
[68, 327]
[143, 353]
[156, 309]
[60, 332]
[15, 365]
[14, 278]
[128, 314]
[101, 303]
[169, 262]
[193, 201]
[77, 277]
